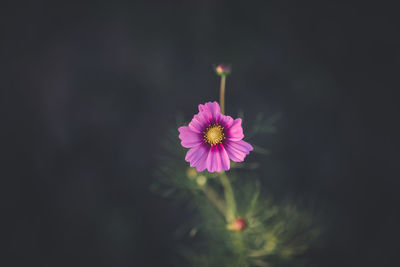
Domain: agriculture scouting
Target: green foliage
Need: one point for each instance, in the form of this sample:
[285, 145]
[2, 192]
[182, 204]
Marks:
[275, 233]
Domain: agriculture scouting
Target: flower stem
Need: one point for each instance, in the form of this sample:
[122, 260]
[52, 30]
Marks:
[226, 184]
[229, 198]
[222, 94]
[231, 213]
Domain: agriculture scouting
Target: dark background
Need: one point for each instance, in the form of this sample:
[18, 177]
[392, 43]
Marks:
[88, 90]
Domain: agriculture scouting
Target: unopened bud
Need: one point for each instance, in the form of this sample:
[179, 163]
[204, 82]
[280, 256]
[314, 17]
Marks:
[201, 180]
[191, 173]
[223, 70]
[238, 224]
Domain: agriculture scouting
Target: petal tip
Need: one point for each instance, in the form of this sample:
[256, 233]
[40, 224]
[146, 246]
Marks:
[180, 129]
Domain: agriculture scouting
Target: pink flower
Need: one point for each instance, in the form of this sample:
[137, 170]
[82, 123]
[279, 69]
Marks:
[214, 139]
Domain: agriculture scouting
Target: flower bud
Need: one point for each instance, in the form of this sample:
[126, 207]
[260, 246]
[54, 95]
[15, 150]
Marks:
[223, 70]
[191, 173]
[238, 224]
[201, 180]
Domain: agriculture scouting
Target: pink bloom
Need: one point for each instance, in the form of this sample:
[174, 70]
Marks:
[214, 139]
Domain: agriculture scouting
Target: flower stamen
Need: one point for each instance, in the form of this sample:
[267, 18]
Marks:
[214, 134]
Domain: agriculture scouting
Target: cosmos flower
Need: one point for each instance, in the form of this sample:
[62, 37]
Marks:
[214, 139]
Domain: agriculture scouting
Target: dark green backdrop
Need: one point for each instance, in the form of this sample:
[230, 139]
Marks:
[88, 90]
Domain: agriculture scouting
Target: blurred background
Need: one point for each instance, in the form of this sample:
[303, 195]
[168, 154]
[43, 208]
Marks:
[88, 91]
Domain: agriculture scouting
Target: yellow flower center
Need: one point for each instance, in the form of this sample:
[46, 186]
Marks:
[214, 134]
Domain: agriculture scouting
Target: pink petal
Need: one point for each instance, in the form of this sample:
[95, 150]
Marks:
[196, 155]
[237, 151]
[200, 121]
[224, 121]
[202, 107]
[213, 161]
[214, 110]
[201, 164]
[212, 107]
[241, 146]
[226, 163]
[235, 155]
[210, 160]
[235, 132]
[188, 137]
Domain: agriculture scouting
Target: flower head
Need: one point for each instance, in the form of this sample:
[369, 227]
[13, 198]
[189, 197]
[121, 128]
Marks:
[214, 139]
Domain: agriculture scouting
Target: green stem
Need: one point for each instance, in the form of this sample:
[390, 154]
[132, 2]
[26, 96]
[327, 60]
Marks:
[228, 191]
[229, 198]
[231, 213]
[222, 94]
